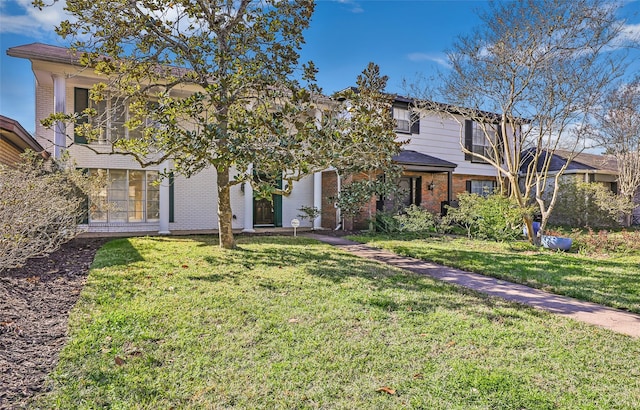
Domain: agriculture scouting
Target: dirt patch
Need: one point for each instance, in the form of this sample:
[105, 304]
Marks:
[35, 301]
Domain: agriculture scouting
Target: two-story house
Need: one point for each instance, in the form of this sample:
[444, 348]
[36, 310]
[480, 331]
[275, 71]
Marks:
[435, 167]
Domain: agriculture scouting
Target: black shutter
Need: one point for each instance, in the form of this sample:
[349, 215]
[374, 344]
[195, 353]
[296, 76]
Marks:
[80, 103]
[614, 187]
[499, 144]
[468, 139]
[415, 122]
[468, 186]
[171, 197]
[418, 191]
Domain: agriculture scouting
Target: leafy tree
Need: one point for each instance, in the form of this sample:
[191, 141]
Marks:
[41, 204]
[221, 84]
[617, 129]
[530, 77]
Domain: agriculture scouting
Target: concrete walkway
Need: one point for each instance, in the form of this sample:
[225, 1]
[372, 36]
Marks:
[608, 318]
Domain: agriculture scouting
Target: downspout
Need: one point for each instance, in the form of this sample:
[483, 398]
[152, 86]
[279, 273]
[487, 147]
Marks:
[338, 213]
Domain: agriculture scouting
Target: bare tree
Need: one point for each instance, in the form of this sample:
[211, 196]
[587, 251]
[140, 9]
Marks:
[617, 129]
[526, 82]
[40, 206]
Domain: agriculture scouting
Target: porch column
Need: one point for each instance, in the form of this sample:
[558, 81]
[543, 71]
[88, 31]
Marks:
[449, 186]
[248, 203]
[164, 200]
[59, 101]
[317, 198]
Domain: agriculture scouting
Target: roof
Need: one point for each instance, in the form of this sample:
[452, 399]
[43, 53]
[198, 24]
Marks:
[45, 52]
[413, 160]
[12, 131]
[581, 162]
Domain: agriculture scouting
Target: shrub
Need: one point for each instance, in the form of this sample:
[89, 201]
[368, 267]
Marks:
[606, 242]
[416, 219]
[41, 205]
[493, 217]
[385, 222]
[588, 205]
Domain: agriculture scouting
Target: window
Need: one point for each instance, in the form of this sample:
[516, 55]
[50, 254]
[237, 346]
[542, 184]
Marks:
[482, 188]
[131, 196]
[402, 116]
[479, 139]
[111, 115]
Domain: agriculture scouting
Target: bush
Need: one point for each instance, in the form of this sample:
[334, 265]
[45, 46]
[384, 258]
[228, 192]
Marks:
[41, 205]
[583, 205]
[494, 217]
[385, 222]
[606, 242]
[416, 219]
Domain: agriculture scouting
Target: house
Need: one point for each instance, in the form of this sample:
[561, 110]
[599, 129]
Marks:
[14, 140]
[584, 167]
[435, 168]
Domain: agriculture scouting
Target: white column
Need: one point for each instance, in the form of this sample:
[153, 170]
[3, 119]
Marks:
[248, 203]
[59, 102]
[164, 200]
[317, 198]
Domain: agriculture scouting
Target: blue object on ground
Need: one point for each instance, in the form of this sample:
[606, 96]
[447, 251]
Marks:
[536, 228]
[556, 242]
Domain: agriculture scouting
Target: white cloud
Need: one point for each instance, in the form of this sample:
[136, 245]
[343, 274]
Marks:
[354, 5]
[20, 17]
[438, 58]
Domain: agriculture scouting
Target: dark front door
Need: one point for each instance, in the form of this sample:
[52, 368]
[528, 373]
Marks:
[263, 212]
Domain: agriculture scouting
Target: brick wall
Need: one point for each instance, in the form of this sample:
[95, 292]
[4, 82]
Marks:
[329, 192]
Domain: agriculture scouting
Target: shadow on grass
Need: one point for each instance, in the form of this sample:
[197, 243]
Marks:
[118, 252]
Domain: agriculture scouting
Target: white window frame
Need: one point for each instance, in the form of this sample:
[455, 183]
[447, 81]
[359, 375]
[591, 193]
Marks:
[402, 117]
[107, 198]
[483, 187]
[480, 141]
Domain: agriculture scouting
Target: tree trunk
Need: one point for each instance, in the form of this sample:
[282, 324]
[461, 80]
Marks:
[225, 215]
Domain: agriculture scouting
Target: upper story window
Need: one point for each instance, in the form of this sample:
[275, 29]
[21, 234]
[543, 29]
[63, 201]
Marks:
[110, 118]
[480, 139]
[402, 116]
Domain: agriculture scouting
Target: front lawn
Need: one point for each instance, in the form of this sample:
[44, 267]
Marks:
[611, 279]
[285, 323]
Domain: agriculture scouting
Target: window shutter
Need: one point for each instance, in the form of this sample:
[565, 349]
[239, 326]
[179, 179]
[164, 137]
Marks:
[468, 139]
[614, 187]
[468, 186]
[80, 103]
[418, 191]
[499, 144]
[415, 122]
[171, 198]
[277, 205]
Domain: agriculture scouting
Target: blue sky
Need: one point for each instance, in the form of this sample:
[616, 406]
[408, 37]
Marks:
[404, 37]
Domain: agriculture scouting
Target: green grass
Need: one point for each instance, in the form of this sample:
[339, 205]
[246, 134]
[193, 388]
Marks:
[285, 323]
[612, 280]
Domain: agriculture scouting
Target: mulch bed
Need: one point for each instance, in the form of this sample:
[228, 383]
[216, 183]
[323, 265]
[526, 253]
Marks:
[35, 301]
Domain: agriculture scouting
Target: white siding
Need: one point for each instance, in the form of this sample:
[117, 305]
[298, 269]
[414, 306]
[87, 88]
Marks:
[440, 138]
[302, 195]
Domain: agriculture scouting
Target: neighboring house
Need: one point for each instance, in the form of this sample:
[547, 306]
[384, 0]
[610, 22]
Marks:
[14, 140]
[585, 167]
[435, 168]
